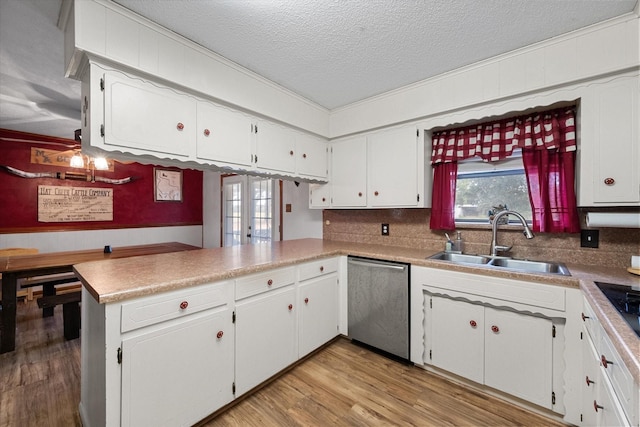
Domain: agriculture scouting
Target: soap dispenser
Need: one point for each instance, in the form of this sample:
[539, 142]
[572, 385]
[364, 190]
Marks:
[459, 243]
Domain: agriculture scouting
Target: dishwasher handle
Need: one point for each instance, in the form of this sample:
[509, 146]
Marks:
[378, 265]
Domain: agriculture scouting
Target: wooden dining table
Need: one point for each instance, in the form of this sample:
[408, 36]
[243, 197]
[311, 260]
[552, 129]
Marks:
[13, 268]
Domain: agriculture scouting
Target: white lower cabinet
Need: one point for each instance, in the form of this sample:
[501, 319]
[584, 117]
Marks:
[610, 395]
[266, 340]
[508, 351]
[178, 374]
[318, 308]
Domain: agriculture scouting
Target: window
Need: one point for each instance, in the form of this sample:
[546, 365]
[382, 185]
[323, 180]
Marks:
[481, 186]
[248, 210]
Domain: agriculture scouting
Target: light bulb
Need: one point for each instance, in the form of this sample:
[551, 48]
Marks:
[76, 161]
[100, 163]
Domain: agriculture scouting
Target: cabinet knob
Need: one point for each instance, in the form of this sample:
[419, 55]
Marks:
[604, 361]
[495, 329]
[269, 282]
[323, 199]
[360, 194]
[304, 156]
[306, 300]
[473, 323]
[321, 269]
[184, 305]
[596, 406]
[290, 307]
[219, 334]
[180, 126]
[291, 153]
[375, 193]
[609, 181]
[207, 132]
[584, 317]
[589, 382]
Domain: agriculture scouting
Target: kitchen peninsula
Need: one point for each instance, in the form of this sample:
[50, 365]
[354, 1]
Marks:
[138, 310]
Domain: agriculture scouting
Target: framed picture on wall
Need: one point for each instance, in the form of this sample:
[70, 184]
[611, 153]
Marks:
[167, 185]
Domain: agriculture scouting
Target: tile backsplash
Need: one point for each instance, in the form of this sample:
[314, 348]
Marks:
[410, 228]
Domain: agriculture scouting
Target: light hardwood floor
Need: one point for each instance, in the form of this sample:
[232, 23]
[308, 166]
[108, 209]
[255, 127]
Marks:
[341, 385]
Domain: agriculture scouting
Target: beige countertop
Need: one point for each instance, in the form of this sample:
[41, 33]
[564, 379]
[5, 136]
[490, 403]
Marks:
[121, 279]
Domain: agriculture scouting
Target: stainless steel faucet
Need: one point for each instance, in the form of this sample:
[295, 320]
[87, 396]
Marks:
[495, 248]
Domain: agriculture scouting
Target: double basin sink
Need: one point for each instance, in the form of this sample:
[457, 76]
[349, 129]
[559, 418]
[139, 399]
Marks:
[504, 263]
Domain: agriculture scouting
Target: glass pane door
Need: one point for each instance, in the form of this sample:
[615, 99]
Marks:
[248, 210]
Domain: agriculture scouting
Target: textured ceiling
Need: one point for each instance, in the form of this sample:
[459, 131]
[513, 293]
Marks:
[333, 52]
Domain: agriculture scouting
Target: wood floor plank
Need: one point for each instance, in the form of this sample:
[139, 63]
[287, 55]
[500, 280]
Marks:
[341, 385]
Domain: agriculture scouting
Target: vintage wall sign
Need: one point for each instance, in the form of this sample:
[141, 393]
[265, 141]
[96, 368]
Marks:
[70, 204]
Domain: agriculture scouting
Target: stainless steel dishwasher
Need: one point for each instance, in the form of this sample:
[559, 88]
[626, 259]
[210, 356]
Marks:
[378, 304]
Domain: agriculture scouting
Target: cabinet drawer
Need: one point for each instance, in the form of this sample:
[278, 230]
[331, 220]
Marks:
[621, 379]
[150, 310]
[263, 282]
[590, 322]
[321, 267]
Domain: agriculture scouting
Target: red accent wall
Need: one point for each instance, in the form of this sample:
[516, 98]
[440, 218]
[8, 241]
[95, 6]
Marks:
[133, 203]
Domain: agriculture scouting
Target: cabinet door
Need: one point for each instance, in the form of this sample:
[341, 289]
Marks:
[458, 337]
[311, 156]
[590, 380]
[319, 195]
[519, 355]
[393, 168]
[275, 147]
[349, 173]
[617, 175]
[266, 340]
[318, 313]
[609, 412]
[223, 136]
[140, 115]
[179, 374]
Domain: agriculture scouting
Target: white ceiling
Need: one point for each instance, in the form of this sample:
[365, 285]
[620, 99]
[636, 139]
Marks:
[333, 52]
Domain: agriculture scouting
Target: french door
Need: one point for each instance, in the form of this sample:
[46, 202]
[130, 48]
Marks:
[250, 207]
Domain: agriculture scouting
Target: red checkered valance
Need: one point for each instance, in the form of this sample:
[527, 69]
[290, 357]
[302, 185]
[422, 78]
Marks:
[491, 141]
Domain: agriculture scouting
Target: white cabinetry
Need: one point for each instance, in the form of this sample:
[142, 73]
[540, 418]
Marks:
[311, 156]
[266, 339]
[131, 117]
[491, 346]
[609, 174]
[178, 374]
[174, 358]
[510, 335]
[318, 304]
[143, 116]
[610, 395]
[164, 359]
[349, 172]
[383, 169]
[275, 147]
[395, 166]
[223, 136]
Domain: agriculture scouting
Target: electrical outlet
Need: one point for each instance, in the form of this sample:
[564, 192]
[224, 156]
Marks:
[385, 229]
[589, 238]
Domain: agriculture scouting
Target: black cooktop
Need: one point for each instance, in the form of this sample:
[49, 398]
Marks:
[626, 300]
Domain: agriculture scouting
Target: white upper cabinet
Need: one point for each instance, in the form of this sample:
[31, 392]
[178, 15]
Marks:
[275, 147]
[223, 135]
[610, 172]
[143, 116]
[349, 172]
[384, 169]
[311, 156]
[393, 169]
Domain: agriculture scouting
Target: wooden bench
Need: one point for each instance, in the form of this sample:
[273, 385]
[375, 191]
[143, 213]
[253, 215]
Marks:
[48, 283]
[70, 311]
